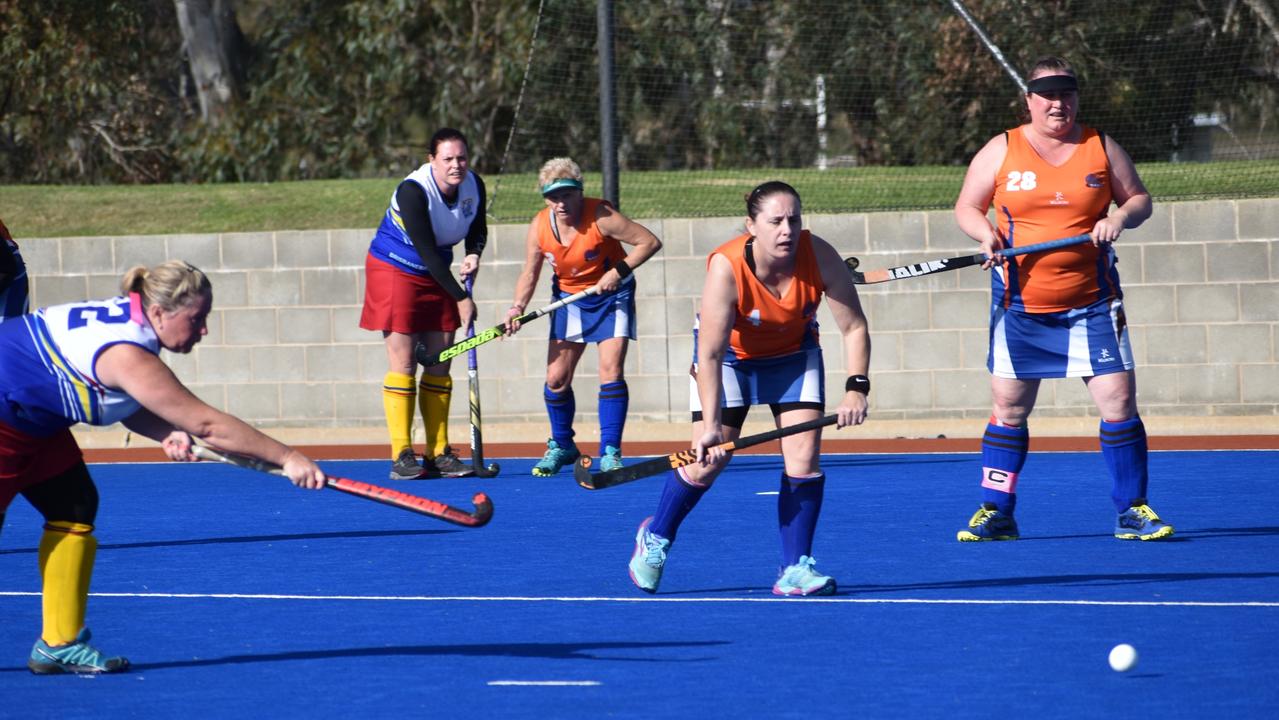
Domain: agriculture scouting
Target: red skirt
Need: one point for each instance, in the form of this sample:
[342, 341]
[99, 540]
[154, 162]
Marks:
[397, 301]
[26, 460]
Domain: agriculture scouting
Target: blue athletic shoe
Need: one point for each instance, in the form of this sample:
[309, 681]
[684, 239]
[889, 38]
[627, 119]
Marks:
[649, 558]
[74, 657]
[555, 458]
[610, 459]
[802, 579]
[1139, 522]
[988, 523]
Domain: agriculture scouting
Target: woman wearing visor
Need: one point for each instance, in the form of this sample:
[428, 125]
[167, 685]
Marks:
[582, 238]
[1058, 313]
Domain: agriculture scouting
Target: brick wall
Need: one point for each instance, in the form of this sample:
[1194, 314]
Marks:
[284, 348]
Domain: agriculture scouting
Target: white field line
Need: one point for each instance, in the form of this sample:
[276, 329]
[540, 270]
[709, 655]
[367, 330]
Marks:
[545, 683]
[594, 599]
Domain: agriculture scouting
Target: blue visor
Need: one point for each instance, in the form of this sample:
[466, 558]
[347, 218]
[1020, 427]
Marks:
[561, 183]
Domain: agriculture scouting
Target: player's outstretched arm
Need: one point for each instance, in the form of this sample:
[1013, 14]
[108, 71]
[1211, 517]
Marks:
[149, 381]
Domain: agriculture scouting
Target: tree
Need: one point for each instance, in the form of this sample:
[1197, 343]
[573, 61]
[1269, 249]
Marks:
[214, 47]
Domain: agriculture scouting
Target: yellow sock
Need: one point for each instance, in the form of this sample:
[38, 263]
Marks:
[433, 396]
[66, 556]
[397, 401]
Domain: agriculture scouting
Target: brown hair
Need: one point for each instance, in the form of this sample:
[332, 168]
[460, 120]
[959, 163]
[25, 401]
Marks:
[1057, 65]
[755, 198]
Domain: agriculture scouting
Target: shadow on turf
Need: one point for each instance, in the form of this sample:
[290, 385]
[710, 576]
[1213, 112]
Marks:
[551, 651]
[1043, 580]
[1063, 580]
[843, 461]
[252, 539]
[1180, 536]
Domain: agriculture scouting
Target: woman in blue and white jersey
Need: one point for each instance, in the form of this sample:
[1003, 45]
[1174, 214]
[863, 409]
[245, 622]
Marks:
[411, 296]
[13, 280]
[98, 362]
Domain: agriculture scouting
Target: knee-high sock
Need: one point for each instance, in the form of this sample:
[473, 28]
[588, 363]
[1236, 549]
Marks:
[679, 497]
[1125, 449]
[434, 395]
[799, 503]
[615, 398]
[397, 402]
[1003, 453]
[560, 408]
[67, 551]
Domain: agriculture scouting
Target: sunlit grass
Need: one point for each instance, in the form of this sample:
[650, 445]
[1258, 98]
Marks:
[95, 210]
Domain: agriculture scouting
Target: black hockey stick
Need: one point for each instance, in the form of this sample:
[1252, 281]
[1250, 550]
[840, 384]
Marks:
[955, 263]
[426, 358]
[481, 468]
[598, 481]
[482, 513]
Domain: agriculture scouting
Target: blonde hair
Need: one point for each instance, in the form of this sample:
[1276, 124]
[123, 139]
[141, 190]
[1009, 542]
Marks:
[557, 168]
[171, 285]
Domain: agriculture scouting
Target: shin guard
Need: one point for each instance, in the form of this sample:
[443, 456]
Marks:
[67, 551]
[434, 395]
[398, 401]
[1003, 454]
[1125, 449]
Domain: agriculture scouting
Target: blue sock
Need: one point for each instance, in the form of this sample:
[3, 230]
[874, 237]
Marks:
[1003, 453]
[677, 501]
[615, 398]
[561, 407]
[1124, 447]
[798, 504]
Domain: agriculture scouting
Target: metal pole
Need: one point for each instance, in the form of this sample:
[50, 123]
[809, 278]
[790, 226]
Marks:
[985, 39]
[608, 102]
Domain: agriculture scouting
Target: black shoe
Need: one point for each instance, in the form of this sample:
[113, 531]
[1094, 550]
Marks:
[406, 466]
[450, 465]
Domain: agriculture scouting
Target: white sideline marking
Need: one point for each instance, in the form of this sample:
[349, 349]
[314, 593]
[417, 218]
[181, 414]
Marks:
[545, 683]
[597, 599]
[769, 492]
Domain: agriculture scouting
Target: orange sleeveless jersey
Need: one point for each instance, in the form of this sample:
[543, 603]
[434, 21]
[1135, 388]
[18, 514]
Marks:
[767, 326]
[591, 254]
[1037, 202]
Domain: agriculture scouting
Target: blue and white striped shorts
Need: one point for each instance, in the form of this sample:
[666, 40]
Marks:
[1082, 342]
[595, 317]
[793, 378]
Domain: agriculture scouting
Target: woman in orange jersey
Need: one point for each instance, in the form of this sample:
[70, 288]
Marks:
[582, 238]
[756, 342]
[1058, 313]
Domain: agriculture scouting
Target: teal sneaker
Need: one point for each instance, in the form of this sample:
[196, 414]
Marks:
[74, 657]
[988, 523]
[649, 558]
[802, 579]
[555, 458]
[1139, 522]
[610, 459]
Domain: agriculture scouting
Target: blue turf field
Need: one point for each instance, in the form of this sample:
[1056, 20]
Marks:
[238, 596]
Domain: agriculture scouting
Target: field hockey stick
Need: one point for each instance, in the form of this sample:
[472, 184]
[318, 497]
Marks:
[609, 478]
[955, 263]
[425, 358]
[481, 468]
[482, 513]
